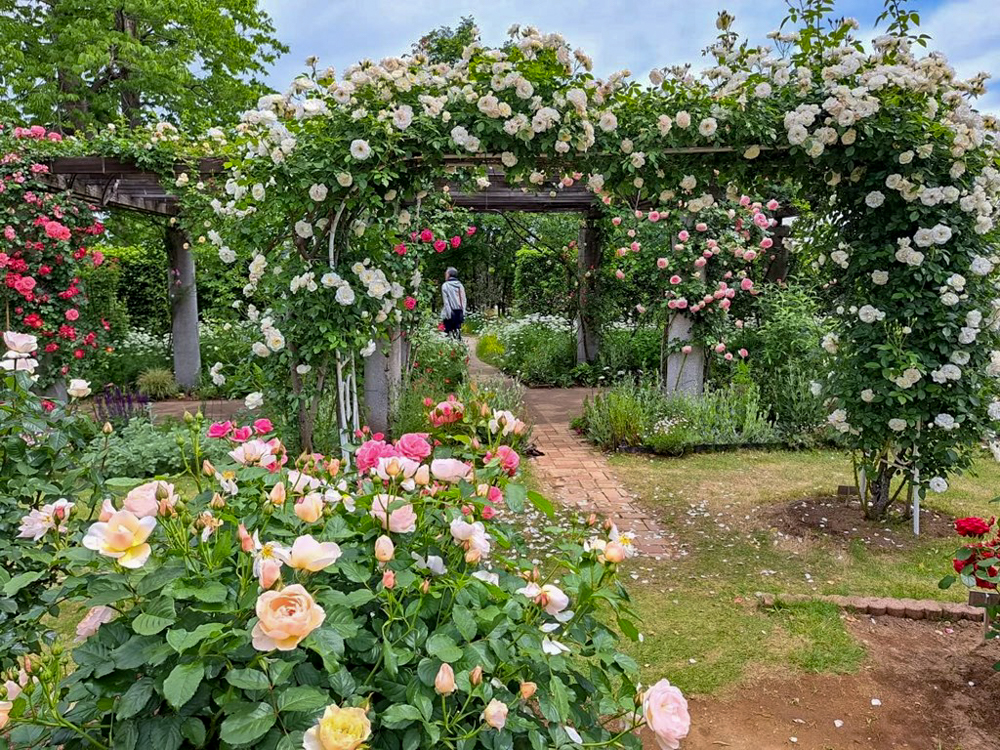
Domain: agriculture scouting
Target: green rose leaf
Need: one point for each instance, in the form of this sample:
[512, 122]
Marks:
[303, 698]
[147, 624]
[21, 580]
[465, 621]
[181, 640]
[194, 731]
[126, 736]
[182, 682]
[247, 679]
[248, 723]
[542, 503]
[515, 496]
[135, 698]
[400, 715]
[443, 647]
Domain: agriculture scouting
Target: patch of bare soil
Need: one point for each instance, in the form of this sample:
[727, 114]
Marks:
[924, 685]
[840, 518]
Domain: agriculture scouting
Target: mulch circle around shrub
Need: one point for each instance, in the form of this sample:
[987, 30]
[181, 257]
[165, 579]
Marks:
[841, 519]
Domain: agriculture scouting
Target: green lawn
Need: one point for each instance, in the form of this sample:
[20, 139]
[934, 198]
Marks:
[702, 625]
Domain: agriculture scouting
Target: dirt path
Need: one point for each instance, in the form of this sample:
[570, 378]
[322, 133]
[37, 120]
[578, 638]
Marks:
[572, 470]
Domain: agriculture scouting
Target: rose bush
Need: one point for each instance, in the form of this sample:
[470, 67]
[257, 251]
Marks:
[294, 604]
[42, 480]
[977, 564]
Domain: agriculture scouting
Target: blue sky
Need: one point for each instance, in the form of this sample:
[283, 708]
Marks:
[634, 35]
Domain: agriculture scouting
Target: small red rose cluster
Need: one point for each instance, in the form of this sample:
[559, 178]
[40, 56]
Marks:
[981, 558]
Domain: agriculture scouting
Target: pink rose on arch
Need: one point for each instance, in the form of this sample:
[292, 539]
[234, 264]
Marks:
[57, 231]
[456, 241]
[409, 303]
[470, 230]
[772, 205]
[675, 279]
[683, 235]
[746, 285]
[370, 452]
[686, 349]
[440, 246]
[450, 469]
[427, 236]
[414, 445]
[509, 460]
[402, 520]
[72, 314]
[743, 353]
[220, 429]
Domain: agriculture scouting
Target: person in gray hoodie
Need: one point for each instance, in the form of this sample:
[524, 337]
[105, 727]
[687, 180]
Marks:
[453, 309]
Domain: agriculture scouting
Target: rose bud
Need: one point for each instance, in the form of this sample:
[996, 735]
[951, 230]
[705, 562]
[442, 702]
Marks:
[476, 675]
[389, 579]
[422, 476]
[384, 549]
[217, 502]
[277, 495]
[614, 552]
[528, 689]
[246, 541]
[473, 556]
[592, 519]
[107, 429]
[444, 683]
[425, 586]
[207, 468]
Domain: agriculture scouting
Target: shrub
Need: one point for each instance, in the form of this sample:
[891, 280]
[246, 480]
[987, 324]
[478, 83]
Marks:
[237, 617]
[537, 349]
[489, 349]
[119, 406]
[140, 449]
[157, 383]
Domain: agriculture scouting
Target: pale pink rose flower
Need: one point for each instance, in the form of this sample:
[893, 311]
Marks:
[450, 469]
[555, 599]
[444, 683]
[21, 343]
[310, 507]
[300, 482]
[385, 550]
[666, 714]
[284, 618]
[308, 554]
[253, 453]
[123, 537]
[92, 621]
[496, 714]
[107, 510]
[147, 499]
[402, 520]
[40, 521]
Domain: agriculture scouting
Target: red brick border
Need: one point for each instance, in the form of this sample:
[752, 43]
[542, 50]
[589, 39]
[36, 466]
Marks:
[911, 609]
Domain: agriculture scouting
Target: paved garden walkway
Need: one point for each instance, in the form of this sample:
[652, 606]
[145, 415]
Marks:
[571, 470]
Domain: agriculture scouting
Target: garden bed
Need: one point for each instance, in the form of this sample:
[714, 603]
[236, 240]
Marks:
[841, 519]
[930, 681]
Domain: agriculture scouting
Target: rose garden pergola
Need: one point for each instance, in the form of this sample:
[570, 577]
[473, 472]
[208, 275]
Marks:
[885, 146]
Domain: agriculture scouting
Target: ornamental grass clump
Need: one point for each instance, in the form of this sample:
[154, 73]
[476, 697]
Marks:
[321, 603]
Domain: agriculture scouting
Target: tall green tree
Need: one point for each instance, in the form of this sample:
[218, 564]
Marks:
[71, 64]
[445, 44]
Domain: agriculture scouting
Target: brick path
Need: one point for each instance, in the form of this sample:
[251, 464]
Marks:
[572, 470]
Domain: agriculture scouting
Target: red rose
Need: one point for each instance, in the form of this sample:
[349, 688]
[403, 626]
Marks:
[973, 526]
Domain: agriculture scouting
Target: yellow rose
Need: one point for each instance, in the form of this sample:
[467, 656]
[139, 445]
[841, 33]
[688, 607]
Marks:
[285, 618]
[310, 508]
[122, 537]
[339, 729]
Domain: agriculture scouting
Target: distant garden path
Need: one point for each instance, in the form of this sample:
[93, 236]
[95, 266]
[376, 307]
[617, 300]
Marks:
[573, 471]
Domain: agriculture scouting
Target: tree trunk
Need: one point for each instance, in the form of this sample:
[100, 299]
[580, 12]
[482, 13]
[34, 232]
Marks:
[131, 102]
[183, 295]
[588, 264]
[880, 497]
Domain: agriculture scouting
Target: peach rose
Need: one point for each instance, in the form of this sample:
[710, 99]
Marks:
[310, 507]
[107, 510]
[666, 713]
[13, 690]
[338, 729]
[122, 537]
[444, 683]
[150, 498]
[402, 520]
[496, 714]
[450, 469]
[308, 554]
[285, 618]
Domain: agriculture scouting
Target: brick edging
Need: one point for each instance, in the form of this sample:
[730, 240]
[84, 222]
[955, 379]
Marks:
[911, 609]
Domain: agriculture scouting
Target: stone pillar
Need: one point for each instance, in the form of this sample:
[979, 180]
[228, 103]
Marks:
[684, 372]
[183, 296]
[377, 387]
[588, 266]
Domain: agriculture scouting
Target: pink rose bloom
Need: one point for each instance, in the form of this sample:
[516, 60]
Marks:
[400, 249]
[72, 314]
[241, 434]
[744, 200]
[654, 216]
[414, 445]
[666, 714]
[8, 232]
[638, 214]
[682, 304]
[402, 520]
[661, 262]
[761, 220]
[619, 274]
[144, 500]
[701, 226]
[743, 353]
[470, 230]
[617, 221]
[739, 323]
[370, 452]
[687, 349]
[720, 347]
[409, 303]
[285, 617]
[450, 469]
[310, 508]
[772, 205]
[440, 246]
[683, 235]
[749, 255]
[93, 620]
[700, 262]
[746, 285]
[97, 258]
[456, 241]
[635, 247]
[725, 304]
[489, 512]
[729, 356]
[509, 460]
[220, 429]
[263, 426]
[767, 243]
[675, 279]
[427, 236]
[57, 231]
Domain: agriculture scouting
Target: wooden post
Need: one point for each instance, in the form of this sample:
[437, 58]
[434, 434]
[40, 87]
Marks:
[183, 296]
[684, 372]
[588, 265]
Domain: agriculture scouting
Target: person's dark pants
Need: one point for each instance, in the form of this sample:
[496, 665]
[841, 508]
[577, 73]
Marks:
[453, 325]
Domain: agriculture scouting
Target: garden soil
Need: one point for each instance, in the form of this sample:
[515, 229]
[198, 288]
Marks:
[925, 685]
